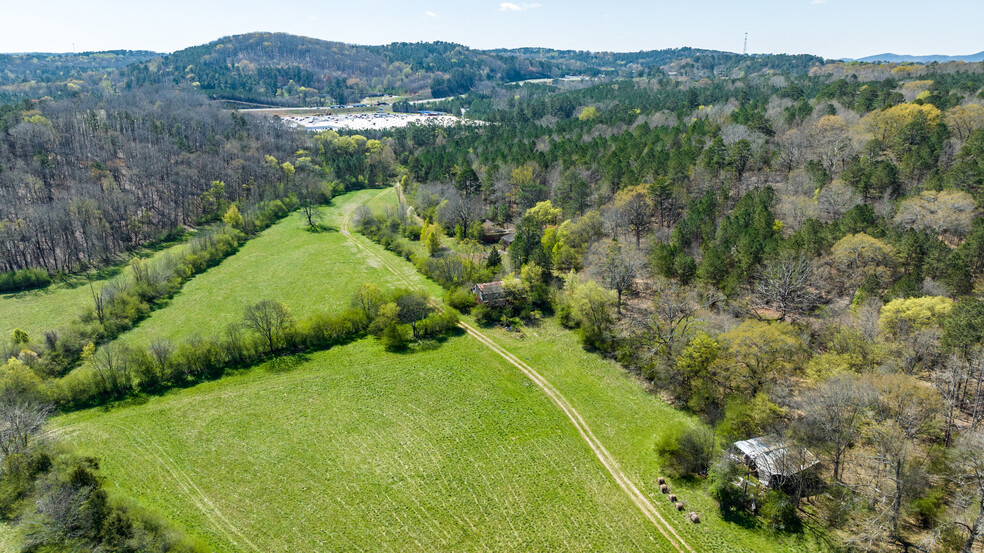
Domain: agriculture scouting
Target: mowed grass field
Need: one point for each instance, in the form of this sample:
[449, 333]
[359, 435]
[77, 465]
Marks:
[627, 418]
[358, 449]
[35, 311]
[307, 271]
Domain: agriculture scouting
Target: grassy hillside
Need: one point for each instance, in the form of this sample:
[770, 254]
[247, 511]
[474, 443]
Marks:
[627, 418]
[357, 448]
[306, 271]
[35, 311]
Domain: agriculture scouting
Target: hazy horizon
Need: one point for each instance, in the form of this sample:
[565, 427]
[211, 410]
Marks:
[828, 28]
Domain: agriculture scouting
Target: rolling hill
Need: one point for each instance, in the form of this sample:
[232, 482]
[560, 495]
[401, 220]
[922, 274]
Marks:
[284, 69]
[903, 58]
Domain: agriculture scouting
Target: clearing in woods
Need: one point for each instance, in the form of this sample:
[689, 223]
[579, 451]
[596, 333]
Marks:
[452, 448]
[448, 449]
[307, 271]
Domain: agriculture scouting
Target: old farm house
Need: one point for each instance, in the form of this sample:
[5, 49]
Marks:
[774, 461]
[492, 294]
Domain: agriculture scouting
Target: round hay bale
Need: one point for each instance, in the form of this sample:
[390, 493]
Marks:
[673, 498]
[661, 481]
[663, 488]
[694, 517]
[680, 505]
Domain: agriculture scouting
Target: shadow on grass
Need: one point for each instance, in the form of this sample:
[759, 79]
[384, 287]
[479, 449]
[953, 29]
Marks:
[319, 228]
[740, 518]
[286, 363]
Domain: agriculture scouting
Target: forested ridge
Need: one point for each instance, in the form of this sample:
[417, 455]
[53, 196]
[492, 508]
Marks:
[85, 179]
[285, 69]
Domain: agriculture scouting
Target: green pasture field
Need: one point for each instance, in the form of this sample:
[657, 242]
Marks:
[35, 311]
[627, 417]
[307, 271]
[358, 449]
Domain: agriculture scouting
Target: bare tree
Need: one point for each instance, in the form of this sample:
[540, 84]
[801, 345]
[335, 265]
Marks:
[113, 367]
[783, 284]
[834, 414]
[459, 210]
[618, 268]
[271, 320]
[676, 311]
[22, 419]
[161, 352]
[967, 465]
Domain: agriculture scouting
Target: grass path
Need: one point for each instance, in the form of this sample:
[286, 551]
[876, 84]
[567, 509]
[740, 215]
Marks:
[584, 430]
[308, 272]
[626, 416]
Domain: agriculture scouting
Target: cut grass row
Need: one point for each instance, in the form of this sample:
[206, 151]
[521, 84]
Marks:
[356, 448]
[627, 418]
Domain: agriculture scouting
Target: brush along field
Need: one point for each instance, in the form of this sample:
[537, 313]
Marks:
[35, 311]
[307, 271]
[448, 449]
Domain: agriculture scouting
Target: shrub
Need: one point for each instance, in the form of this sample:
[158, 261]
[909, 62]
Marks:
[779, 511]
[686, 451]
[461, 299]
[24, 279]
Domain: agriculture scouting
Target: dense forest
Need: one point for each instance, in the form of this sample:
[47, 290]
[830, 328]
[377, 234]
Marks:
[281, 69]
[85, 179]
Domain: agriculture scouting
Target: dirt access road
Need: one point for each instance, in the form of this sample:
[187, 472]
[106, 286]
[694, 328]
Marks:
[607, 460]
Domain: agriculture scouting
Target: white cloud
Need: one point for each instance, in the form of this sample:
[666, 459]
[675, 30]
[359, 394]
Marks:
[817, 2]
[512, 7]
[430, 13]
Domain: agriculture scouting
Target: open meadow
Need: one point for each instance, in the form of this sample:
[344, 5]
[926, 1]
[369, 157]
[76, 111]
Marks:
[448, 448]
[307, 271]
[360, 449]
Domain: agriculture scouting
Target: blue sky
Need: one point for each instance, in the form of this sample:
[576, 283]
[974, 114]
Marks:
[830, 28]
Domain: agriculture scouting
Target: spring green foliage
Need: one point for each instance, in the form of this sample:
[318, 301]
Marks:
[902, 316]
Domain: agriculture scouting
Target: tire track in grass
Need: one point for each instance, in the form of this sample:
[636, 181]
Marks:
[188, 486]
[607, 459]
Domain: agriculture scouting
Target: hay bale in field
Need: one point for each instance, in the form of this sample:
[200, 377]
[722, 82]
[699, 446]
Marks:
[664, 489]
[694, 517]
[680, 505]
[673, 498]
[661, 481]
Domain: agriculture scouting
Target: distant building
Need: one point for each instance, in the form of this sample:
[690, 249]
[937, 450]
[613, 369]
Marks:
[492, 294]
[774, 461]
